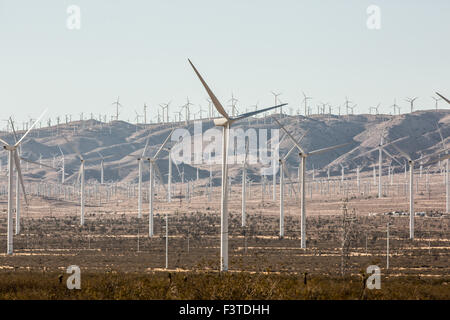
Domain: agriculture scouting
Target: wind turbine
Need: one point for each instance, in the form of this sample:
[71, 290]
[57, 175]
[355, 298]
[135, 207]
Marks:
[13, 160]
[375, 108]
[282, 174]
[411, 101]
[145, 113]
[303, 154]
[226, 123]
[17, 179]
[187, 110]
[102, 168]
[118, 104]
[139, 159]
[347, 104]
[447, 184]
[395, 106]
[234, 110]
[380, 148]
[305, 100]
[276, 95]
[436, 100]
[81, 178]
[411, 186]
[244, 184]
[154, 167]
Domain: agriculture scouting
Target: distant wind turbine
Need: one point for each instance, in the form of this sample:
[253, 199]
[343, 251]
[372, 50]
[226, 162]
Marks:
[303, 155]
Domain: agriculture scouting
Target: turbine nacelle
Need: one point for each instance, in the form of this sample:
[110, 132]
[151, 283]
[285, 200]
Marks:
[222, 122]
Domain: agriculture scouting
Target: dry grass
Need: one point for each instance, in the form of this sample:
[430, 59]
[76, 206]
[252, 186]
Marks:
[194, 285]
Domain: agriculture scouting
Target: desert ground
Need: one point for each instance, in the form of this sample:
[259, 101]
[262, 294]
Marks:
[115, 241]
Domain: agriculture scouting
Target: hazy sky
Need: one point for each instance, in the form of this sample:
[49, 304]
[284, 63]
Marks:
[139, 50]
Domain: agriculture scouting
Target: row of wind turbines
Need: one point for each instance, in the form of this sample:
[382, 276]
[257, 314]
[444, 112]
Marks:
[226, 121]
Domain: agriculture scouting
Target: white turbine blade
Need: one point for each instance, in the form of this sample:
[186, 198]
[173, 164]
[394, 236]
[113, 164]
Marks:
[155, 165]
[437, 160]
[395, 141]
[366, 153]
[286, 174]
[215, 101]
[60, 151]
[146, 145]
[4, 142]
[36, 163]
[178, 169]
[73, 148]
[163, 145]
[327, 149]
[24, 136]
[293, 147]
[249, 114]
[402, 152]
[431, 154]
[101, 156]
[13, 129]
[440, 134]
[290, 136]
[289, 152]
[79, 172]
[19, 171]
[246, 151]
[390, 156]
[440, 95]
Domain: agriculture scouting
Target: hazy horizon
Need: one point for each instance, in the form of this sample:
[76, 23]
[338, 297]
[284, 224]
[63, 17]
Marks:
[138, 50]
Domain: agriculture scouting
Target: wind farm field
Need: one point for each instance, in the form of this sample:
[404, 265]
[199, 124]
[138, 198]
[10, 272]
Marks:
[118, 259]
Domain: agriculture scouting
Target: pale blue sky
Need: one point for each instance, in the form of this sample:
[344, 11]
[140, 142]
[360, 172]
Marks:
[139, 50]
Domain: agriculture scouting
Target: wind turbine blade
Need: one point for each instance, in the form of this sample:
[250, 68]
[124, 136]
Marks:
[73, 148]
[440, 134]
[286, 174]
[215, 101]
[79, 173]
[431, 154]
[378, 147]
[290, 136]
[146, 145]
[178, 169]
[293, 147]
[249, 114]
[437, 160]
[101, 156]
[402, 152]
[289, 152]
[163, 145]
[440, 95]
[395, 141]
[24, 136]
[327, 149]
[13, 129]
[159, 174]
[246, 151]
[36, 163]
[366, 153]
[60, 151]
[19, 171]
[4, 142]
[390, 156]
